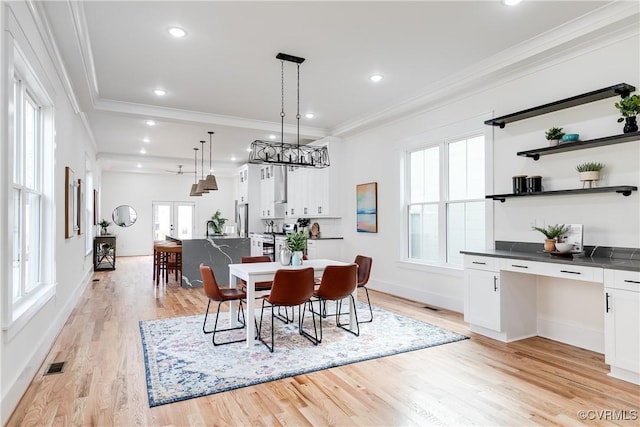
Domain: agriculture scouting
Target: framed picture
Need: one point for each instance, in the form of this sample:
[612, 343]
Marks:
[80, 207]
[95, 207]
[367, 207]
[70, 210]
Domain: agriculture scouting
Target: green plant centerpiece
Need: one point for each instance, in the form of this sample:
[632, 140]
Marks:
[629, 108]
[297, 242]
[216, 223]
[554, 135]
[103, 226]
[552, 234]
[589, 172]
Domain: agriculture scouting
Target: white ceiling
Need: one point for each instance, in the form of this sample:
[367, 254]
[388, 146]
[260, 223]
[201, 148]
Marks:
[223, 76]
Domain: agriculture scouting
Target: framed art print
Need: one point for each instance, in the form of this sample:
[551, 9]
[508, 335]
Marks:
[367, 207]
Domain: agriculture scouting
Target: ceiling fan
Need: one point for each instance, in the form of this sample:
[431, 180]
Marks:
[179, 171]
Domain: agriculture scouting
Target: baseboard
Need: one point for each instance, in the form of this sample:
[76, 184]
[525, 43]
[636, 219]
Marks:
[15, 391]
[571, 333]
[426, 297]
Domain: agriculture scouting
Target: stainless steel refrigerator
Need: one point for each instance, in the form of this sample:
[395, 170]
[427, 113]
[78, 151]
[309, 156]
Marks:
[242, 219]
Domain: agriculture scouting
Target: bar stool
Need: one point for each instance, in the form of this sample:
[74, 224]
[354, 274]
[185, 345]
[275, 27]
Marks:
[169, 259]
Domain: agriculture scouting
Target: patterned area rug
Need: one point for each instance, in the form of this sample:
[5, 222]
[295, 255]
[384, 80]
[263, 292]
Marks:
[182, 363]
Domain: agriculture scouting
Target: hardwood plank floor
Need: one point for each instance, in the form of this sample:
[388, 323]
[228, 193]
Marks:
[473, 382]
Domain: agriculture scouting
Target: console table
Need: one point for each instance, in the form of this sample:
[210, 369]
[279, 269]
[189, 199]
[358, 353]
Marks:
[500, 298]
[104, 253]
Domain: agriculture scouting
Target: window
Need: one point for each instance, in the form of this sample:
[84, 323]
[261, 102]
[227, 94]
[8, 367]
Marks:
[30, 205]
[446, 205]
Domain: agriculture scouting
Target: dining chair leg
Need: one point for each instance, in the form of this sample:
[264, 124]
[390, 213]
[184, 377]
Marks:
[314, 339]
[370, 311]
[260, 329]
[355, 313]
[215, 325]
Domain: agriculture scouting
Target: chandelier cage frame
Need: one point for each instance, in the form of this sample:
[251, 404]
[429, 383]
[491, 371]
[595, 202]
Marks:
[286, 154]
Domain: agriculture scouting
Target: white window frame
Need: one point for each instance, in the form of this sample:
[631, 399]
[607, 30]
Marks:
[24, 66]
[442, 137]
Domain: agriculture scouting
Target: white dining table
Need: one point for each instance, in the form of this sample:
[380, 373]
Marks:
[256, 272]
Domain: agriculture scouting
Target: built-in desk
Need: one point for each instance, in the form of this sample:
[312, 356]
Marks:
[501, 301]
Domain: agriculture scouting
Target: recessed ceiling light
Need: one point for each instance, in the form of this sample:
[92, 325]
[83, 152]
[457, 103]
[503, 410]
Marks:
[147, 140]
[143, 151]
[309, 115]
[139, 165]
[249, 149]
[233, 159]
[511, 2]
[272, 137]
[160, 92]
[376, 77]
[150, 123]
[177, 32]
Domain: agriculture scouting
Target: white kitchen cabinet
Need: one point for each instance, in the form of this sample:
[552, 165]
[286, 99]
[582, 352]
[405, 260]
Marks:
[267, 192]
[243, 184]
[256, 246]
[482, 297]
[622, 324]
[324, 248]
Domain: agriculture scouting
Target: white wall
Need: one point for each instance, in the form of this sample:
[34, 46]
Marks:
[609, 219]
[141, 190]
[24, 350]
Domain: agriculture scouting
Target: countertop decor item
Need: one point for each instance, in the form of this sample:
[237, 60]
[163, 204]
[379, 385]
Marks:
[629, 108]
[216, 223]
[570, 137]
[103, 227]
[551, 232]
[589, 173]
[554, 135]
[315, 230]
[281, 153]
[563, 247]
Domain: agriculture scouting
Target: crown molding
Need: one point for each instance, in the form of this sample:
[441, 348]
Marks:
[151, 111]
[504, 65]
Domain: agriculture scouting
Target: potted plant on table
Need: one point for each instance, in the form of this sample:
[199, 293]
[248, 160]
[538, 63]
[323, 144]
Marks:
[629, 108]
[103, 227]
[589, 172]
[217, 222]
[552, 233]
[554, 135]
[297, 242]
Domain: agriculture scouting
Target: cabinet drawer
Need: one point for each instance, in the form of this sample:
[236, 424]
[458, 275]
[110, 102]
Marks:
[622, 279]
[481, 263]
[564, 271]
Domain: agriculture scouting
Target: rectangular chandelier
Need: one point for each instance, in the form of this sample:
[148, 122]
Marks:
[289, 154]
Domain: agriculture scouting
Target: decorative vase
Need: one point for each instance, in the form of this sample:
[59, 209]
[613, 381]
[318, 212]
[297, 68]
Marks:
[296, 258]
[588, 178]
[285, 256]
[630, 125]
[104, 231]
[554, 142]
[549, 245]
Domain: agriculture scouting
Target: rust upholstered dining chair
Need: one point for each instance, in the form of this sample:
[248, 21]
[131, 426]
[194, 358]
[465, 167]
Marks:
[338, 282]
[215, 293]
[364, 270]
[290, 288]
[264, 286]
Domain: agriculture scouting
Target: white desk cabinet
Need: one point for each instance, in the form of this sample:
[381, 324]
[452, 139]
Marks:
[622, 324]
[482, 302]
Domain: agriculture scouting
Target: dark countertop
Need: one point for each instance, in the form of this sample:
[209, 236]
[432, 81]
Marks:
[611, 258]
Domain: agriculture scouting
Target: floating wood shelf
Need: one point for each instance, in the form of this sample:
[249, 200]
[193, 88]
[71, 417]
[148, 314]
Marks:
[625, 190]
[621, 89]
[581, 145]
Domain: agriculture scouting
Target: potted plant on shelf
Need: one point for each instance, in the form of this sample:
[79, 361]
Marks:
[552, 233]
[103, 227]
[629, 108]
[589, 172]
[216, 223]
[297, 242]
[554, 135]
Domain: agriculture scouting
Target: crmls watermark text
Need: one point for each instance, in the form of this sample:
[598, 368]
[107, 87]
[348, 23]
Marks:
[608, 415]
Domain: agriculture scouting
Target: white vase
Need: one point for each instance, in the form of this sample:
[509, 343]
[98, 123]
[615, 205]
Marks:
[590, 176]
[296, 258]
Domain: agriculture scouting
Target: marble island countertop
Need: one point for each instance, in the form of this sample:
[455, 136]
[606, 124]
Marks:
[594, 256]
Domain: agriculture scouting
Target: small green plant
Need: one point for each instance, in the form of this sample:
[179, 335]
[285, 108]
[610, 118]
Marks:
[217, 222]
[629, 106]
[297, 241]
[303, 222]
[554, 133]
[589, 167]
[552, 231]
[104, 224]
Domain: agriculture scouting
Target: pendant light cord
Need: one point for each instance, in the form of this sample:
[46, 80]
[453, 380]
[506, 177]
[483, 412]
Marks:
[282, 105]
[202, 171]
[298, 111]
[210, 151]
[195, 164]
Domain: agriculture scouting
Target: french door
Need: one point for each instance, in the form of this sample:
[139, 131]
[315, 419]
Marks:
[175, 219]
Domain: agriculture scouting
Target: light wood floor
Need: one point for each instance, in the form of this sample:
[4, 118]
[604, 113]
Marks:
[472, 382]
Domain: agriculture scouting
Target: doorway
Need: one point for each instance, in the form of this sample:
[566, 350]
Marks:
[175, 219]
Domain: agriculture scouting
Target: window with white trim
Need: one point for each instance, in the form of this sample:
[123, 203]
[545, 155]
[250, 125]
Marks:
[446, 204]
[31, 281]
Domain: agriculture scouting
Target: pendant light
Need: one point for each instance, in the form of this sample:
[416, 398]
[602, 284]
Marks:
[210, 182]
[194, 186]
[279, 153]
[201, 183]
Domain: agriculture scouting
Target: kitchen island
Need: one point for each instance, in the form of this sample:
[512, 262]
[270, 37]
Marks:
[215, 251]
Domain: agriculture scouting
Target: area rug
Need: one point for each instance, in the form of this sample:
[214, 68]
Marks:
[182, 363]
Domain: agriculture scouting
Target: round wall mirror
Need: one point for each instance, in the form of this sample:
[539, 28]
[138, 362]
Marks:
[124, 216]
